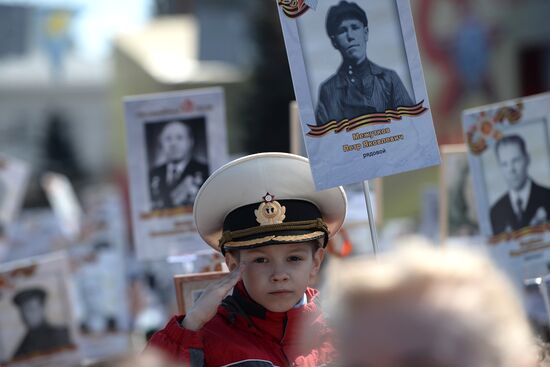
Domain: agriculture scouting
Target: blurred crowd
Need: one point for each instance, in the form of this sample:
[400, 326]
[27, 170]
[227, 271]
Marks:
[418, 304]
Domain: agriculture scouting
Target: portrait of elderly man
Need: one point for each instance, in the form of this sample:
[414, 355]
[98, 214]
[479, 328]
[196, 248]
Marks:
[41, 336]
[526, 203]
[177, 180]
[359, 86]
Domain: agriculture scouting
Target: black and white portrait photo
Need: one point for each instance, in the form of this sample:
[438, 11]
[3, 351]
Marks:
[359, 86]
[360, 89]
[175, 140]
[509, 155]
[37, 323]
[41, 335]
[177, 161]
[526, 201]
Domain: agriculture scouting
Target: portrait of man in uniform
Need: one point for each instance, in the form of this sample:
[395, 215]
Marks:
[41, 336]
[526, 203]
[177, 179]
[359, 86]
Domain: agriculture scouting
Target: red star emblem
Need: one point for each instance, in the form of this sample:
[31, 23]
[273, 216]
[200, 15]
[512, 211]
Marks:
[268, 198]
[187, 105]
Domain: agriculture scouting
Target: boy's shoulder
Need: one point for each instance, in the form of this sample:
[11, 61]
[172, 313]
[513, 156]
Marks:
[238, 332]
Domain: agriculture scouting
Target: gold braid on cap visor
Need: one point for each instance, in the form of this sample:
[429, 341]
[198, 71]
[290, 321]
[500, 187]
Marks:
[316, 227]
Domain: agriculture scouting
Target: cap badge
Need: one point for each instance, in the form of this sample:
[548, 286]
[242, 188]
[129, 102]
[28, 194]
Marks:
[270, 211]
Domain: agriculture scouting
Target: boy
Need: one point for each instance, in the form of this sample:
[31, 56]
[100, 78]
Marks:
[263, 213]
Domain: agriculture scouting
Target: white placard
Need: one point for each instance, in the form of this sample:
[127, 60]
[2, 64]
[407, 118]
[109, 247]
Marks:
[103, 315]
[62, 198]
[174, 140]
[37, 323]
[509, 155]
[363, 103]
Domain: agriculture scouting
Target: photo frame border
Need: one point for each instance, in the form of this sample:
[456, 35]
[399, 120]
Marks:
[161, 233]
[289, 11]
[509, 113]
[187, 280]
[58, 261]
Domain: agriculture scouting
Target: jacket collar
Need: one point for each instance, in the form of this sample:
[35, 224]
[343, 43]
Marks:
[241, 309]
[365, 68]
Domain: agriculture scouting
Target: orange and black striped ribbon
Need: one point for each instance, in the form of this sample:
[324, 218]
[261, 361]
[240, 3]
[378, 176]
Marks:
[522, 232]
[369, 119]
[293, 8]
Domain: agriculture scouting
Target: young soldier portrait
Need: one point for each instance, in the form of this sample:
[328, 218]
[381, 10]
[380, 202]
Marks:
[359, 86]
[41, 336]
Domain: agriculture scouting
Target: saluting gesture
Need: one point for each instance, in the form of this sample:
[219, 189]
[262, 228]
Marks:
[206, 306]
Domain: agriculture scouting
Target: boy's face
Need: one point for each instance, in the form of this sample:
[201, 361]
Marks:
[276, 276]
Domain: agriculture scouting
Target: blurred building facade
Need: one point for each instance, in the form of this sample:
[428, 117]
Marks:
[480, 52]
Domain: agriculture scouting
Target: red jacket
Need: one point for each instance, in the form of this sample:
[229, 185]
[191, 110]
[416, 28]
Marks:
[244, 334]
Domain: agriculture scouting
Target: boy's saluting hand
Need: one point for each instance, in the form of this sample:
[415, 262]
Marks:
[206, 306]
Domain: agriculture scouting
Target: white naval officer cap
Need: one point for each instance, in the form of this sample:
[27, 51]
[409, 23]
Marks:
[266, 199]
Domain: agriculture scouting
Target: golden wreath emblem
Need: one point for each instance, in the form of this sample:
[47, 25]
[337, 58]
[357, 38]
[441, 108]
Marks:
[270, 211]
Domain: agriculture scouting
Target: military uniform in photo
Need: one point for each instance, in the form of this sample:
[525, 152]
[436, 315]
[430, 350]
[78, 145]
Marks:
[176, 184]
[41, 336]
[359, 87]
[359, 90]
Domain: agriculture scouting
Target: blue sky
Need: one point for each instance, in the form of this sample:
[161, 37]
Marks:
[97, 21]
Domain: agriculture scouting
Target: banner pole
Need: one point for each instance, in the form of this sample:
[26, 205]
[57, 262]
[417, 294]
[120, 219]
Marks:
[544, 292]
[372, 224]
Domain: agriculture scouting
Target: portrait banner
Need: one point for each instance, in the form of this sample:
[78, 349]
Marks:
[509, 154]
[37, 322]
[174, 141]
[104, 316]
[360, 88]
[189, 287]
